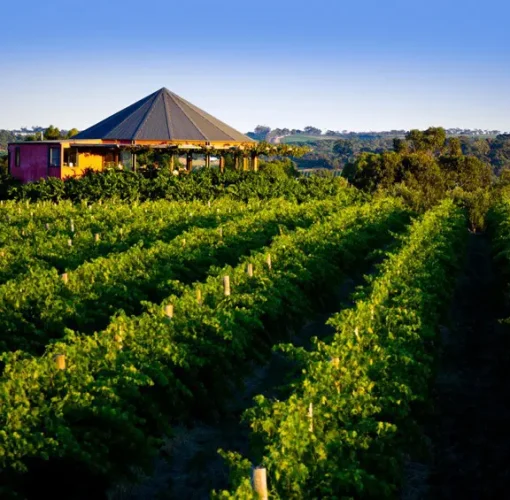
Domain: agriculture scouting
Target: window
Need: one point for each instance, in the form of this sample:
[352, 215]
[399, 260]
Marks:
[70, 157]
[54, 157]
[16, 157]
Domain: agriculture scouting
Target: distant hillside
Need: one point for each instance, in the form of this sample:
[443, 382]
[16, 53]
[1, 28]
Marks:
[334, 149]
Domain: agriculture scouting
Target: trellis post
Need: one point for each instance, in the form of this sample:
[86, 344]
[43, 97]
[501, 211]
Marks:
[260, 482]
[226, 285]
[169, 311]
[60, 361]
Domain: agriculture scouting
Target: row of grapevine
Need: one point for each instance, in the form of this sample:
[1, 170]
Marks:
[274, 180]
[114, 393]
[40, 306]
[351, 419]
[67, 242]
[499, 227]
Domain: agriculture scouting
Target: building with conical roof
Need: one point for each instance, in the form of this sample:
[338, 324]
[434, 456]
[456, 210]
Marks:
[161, 120]
[163, 116]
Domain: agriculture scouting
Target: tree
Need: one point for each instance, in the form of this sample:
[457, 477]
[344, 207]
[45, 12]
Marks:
[465, 172]
[432, 140]
[52, 133]
[344, 149]
[454, 146]
[400, 145]
[371, 170]
[313, 130]
[72, 133]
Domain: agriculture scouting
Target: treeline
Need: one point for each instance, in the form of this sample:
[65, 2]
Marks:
[489, 146]
[495, 151]
[35, 134]
[424, 168]
[265, 133]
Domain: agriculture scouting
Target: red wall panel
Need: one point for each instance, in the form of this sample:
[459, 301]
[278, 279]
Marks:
[33, 164]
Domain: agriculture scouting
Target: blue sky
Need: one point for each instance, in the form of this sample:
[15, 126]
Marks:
[359, 65]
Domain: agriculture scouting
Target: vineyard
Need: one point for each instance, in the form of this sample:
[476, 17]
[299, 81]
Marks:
[123, 321]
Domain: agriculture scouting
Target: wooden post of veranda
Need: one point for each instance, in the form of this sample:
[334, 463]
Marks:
[222, 164]
[260, 482]
[245, 164]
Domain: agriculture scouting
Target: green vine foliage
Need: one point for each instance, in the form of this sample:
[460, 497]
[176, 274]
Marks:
[39, 307]
[354, 415]
[124, 386]
[44, 235]
[272, 181]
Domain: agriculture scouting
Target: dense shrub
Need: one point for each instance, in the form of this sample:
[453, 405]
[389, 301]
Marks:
[278, 179]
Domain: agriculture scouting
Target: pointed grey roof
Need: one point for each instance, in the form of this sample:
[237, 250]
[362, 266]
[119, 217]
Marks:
[163, 116]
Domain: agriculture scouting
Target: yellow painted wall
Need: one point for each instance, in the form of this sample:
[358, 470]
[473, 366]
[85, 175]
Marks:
[90, 160]
[86, 161]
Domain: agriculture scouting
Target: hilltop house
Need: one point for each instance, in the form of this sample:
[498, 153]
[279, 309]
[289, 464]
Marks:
[160, 120]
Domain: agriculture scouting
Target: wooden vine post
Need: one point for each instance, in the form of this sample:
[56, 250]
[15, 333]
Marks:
[310, 417]
[260, 482]
[70, 242]
[226, 285]
[65, 278]
[169, 311]
[96, 237]
[268, 261]
[60, 361]
[199, 296]
[249, 270]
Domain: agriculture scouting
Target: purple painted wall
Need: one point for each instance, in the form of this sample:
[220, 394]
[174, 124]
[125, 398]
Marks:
[33, 162]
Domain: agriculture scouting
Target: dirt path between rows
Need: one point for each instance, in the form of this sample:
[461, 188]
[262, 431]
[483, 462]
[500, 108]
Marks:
[470, 432]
